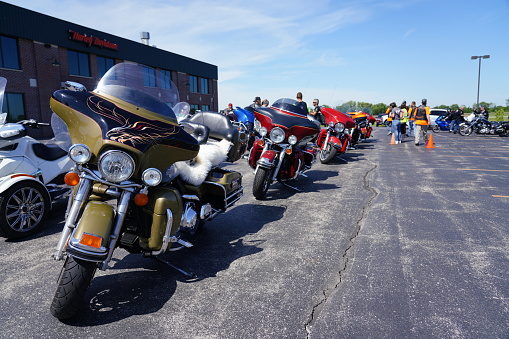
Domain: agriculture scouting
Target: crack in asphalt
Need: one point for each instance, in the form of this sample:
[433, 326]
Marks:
[317, 308]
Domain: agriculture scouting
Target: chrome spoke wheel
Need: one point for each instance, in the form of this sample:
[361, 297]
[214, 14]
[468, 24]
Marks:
[25, 209]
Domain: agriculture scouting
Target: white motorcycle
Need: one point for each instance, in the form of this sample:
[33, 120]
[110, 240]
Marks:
[31, 177]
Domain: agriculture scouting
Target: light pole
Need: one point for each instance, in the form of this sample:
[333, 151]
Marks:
[479, 74]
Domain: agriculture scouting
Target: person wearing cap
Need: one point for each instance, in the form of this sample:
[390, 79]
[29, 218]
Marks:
[316, 112]
[265, 103]
[228, 109]
[257, 102]
[421, 122]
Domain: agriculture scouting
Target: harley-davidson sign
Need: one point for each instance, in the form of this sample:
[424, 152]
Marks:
[92, 40]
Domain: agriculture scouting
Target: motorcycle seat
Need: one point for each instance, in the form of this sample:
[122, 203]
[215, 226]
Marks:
[220, 126]
[48, 152]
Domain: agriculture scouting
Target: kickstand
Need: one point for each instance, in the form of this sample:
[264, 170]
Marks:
[292, 187]
[187, 274]
[342, 159]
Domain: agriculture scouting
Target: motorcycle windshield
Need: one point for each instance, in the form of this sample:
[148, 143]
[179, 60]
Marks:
[290, 105]
[334, 116]
[131, 109]
[141, 86]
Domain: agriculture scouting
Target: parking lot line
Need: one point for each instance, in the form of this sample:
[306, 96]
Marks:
[500, 196]
[480, 169]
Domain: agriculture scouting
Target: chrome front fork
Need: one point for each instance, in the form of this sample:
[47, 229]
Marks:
[78, 201]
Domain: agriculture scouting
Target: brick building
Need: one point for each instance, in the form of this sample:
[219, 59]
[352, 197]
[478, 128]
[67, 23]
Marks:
[38, 53]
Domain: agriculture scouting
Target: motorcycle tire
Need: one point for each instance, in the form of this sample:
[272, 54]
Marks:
[23, 209]
[465, 131]
[505, 133]
[261, 182]
[436, 128]
[74, 281]
[328, 154]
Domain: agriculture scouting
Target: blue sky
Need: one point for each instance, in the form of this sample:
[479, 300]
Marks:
[363, 50]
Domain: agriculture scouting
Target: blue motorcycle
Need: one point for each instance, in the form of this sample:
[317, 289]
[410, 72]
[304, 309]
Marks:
[442, 124]
[244, 119]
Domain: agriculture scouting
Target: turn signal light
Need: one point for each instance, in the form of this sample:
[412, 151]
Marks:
[91, 240]
[72, 179]
[260, 142]
[141, 199]
[288, 151]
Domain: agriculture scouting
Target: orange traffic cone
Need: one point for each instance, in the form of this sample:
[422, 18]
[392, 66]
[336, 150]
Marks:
[393, 140]
[430, 143]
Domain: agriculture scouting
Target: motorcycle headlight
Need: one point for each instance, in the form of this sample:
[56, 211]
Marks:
[116, 166]
[292, 139]
[79, 153]
[340, 127]
[277, 135]
[152, 176]
[263, 131]
[257, 125]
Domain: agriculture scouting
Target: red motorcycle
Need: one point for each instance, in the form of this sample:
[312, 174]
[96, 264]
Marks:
[282, 152]
[333, 139]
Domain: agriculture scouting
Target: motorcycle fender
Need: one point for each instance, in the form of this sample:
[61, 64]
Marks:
[267, 159]
[7, 182]
[255, 153]
[346, 140]
[334, 141]
[97, 219]
[161, 199]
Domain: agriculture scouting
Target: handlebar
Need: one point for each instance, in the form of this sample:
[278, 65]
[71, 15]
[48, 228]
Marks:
[33, 123]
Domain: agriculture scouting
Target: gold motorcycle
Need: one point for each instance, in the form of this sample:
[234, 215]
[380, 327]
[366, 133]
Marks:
[141, 179]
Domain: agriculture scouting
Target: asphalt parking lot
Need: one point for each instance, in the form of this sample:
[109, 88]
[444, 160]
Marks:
[391, 241]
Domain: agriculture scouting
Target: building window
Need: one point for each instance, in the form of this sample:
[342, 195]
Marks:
[78, 64]
[205, 85]
[149, 77]
[8, 53]
[194, 108]
[205, 108]
[103, 65]
[193, 84]
[165, 79]
[14, 107]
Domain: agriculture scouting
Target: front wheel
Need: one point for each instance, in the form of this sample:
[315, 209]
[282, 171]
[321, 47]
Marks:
[23, 209]
[465, 130]
[74, 281]
[436, 128]
[261, 182]
[327, 154]
[505, 133]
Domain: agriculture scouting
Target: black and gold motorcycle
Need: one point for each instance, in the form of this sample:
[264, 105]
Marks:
[140, 180]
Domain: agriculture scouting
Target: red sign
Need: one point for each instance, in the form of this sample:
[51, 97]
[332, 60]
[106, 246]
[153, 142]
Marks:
[92, 40]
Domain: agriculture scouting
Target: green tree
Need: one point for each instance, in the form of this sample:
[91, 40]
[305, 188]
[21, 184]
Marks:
[379, 108]
[499, 114]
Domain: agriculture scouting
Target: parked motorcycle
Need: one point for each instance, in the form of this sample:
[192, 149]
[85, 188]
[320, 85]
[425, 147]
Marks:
[333, 139]
[245, 118]
[282, 152]
[476, 123]
[441, 124]
[31, 177]
[140, 180]
[362, 130]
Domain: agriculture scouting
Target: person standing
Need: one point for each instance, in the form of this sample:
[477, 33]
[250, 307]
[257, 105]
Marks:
[396, 114]
[316, 112]
[265, 103]
[421, 122]
[300, 103]
[257, 102]
[388, 121]
[411, 119]
[456, 119]
[228, 109]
